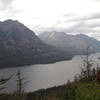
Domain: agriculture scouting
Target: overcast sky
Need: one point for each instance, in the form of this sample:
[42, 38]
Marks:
[70, 16]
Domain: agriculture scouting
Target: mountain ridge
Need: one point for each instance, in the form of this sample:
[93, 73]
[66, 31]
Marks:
[20, 46]
[72, 43]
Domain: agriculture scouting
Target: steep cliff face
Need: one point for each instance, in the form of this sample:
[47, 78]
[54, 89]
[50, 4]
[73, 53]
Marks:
[20, 46]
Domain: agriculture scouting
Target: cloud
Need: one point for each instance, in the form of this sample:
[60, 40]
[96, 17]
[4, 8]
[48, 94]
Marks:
[6, 7]
[68, 16]
[89, 25]
[96, 0]
[85, 24]
[80, 27]
[94, 16]
[6, 1]
[71, 23]
[6, 4]
[73, 17]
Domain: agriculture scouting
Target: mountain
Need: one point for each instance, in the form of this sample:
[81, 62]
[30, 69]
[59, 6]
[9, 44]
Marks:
[75, 44]
[20, 46]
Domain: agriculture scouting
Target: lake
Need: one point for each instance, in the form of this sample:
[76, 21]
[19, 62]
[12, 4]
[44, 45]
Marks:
[42, 76]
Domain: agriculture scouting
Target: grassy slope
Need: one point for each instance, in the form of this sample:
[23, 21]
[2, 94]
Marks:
[71, 91]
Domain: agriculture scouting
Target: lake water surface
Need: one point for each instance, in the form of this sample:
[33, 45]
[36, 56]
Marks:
[46, 75]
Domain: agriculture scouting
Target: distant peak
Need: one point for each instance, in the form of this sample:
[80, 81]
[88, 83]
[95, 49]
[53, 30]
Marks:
[58, 33]
[12, 23]
[10, 20]
[53, 32]
[81, 35]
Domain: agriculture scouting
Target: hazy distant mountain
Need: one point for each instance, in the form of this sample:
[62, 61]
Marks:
[20, 46]
[75, 44]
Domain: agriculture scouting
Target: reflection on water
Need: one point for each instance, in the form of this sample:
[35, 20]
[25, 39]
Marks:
[46, 75]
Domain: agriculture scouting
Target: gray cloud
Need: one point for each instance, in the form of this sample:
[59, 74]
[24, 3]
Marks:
[6, 4]
[96, 0]
[85, 24]
[73, 17]
[94, 16]
[93, 0]
[7, 8]
[80, 27]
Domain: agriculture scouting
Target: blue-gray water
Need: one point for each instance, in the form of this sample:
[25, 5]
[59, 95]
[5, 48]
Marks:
[46, 75]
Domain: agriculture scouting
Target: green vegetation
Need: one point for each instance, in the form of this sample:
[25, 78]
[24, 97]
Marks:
[72, 91]
[82, 88]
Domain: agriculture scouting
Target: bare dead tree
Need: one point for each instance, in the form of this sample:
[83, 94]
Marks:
[87, 62]
[20, 93]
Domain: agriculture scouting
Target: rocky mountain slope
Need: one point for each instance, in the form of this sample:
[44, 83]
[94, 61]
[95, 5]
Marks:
[75, 44]
[20, 46]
